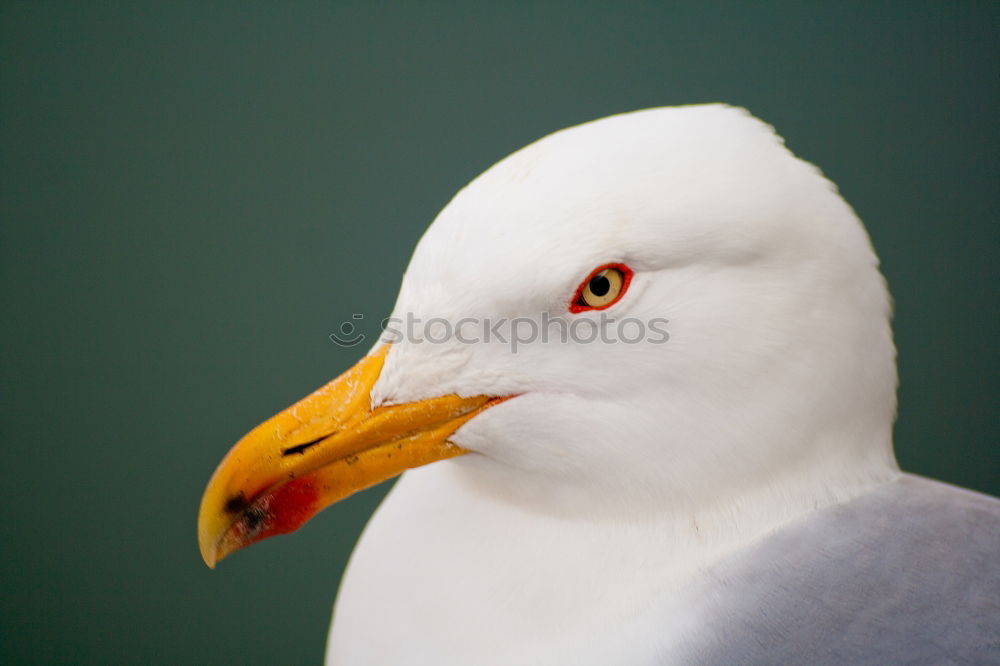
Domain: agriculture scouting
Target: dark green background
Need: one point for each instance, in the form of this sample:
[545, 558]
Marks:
[195, 195]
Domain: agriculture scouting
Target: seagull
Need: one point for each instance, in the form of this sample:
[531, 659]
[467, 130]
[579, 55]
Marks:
[651, 359]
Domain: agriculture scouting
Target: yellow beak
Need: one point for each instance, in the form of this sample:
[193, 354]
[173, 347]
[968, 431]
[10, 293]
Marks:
[323, 448]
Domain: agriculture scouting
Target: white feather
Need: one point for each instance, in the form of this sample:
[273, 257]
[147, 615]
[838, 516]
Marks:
[621, 471]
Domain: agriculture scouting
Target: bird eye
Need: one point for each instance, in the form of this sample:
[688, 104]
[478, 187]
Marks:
[602, 288]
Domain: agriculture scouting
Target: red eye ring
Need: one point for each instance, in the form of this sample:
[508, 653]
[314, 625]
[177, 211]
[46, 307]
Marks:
[577, 304]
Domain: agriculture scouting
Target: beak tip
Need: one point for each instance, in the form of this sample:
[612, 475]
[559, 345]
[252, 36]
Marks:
[208, 556]
[208, 545]
[215, 549]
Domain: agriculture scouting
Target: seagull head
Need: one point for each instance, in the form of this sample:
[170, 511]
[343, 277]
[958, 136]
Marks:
[640, 315]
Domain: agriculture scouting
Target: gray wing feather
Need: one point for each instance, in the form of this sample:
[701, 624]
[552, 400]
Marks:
[907, 574]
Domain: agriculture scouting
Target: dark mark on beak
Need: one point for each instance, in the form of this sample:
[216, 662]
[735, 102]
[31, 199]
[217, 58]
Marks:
[236, 504]
[253, 518]
[301, 448]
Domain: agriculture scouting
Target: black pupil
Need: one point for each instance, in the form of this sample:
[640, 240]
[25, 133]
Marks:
[600, 285]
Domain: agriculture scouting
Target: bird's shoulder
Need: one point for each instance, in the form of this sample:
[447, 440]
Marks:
[907, 573]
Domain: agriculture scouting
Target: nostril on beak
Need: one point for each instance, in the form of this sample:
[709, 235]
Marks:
[301, 448]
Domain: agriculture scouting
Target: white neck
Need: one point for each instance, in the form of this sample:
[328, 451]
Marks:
[689, 533]
[448, 533]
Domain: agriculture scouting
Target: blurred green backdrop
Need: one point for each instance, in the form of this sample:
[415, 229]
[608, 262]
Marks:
[194, 195]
